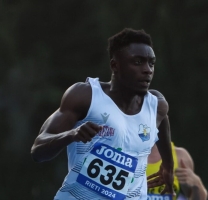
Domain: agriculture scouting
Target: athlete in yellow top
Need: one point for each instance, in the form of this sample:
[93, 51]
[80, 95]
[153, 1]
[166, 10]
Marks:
[187, 184]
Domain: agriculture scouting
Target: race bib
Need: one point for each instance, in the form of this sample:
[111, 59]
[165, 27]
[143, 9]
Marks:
[108, 172]
[159, 197]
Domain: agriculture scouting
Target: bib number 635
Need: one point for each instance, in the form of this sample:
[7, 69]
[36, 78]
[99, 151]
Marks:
[118, 182]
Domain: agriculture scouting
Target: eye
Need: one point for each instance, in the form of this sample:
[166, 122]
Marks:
[138, 62]
[152, 63]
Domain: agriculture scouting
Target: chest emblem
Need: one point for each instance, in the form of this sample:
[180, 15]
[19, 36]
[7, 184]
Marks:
[144, 132]
[105, 117]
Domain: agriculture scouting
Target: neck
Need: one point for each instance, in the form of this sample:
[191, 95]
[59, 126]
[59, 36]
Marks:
[128, 101]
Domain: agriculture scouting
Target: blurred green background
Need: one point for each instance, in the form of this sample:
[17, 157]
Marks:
[45, 46]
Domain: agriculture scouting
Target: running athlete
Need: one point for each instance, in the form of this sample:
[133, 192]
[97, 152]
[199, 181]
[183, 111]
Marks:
[110, 127]
[187, 185]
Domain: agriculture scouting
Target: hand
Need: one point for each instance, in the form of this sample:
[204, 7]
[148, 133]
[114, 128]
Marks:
[162, 177]
[186, 176]
[86, 132]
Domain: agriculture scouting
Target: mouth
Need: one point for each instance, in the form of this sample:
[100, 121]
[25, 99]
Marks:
[145, 83]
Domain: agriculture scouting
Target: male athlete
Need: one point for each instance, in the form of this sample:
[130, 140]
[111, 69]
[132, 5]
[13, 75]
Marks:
[187, 185]
[110, 127]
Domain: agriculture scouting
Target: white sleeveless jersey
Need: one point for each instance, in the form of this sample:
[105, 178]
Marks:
[113, 165]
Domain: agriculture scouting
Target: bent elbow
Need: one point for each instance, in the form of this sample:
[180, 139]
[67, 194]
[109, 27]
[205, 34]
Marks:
[34, 155]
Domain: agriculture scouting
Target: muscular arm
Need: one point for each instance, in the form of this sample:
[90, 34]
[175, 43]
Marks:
[191, 184]
[164, 142]
[57, 131]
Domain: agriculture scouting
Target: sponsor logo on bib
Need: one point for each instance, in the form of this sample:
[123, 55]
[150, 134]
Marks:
[108, 171]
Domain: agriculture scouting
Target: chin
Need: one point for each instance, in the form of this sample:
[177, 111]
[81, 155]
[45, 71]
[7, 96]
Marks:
[142, 92]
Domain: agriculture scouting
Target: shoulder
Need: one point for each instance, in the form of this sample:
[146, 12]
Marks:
[77, 90]
[159, 95]
[163, 106]
[156, 93]
[183, 154]
[77, 97]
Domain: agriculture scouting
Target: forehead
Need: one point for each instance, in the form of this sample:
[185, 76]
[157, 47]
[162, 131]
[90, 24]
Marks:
[139, 49]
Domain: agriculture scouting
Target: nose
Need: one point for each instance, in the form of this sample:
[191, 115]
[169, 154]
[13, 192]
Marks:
[148, 69]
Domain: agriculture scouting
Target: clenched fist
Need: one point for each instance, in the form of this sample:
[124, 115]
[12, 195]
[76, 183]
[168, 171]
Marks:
[86, 132]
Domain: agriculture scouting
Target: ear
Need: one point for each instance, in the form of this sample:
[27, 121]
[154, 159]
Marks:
[114, 65]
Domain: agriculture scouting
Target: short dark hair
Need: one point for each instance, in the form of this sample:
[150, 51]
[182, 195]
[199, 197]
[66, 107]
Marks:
[126, 37]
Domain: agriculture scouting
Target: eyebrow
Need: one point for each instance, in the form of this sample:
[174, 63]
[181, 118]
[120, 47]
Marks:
[144, 57]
